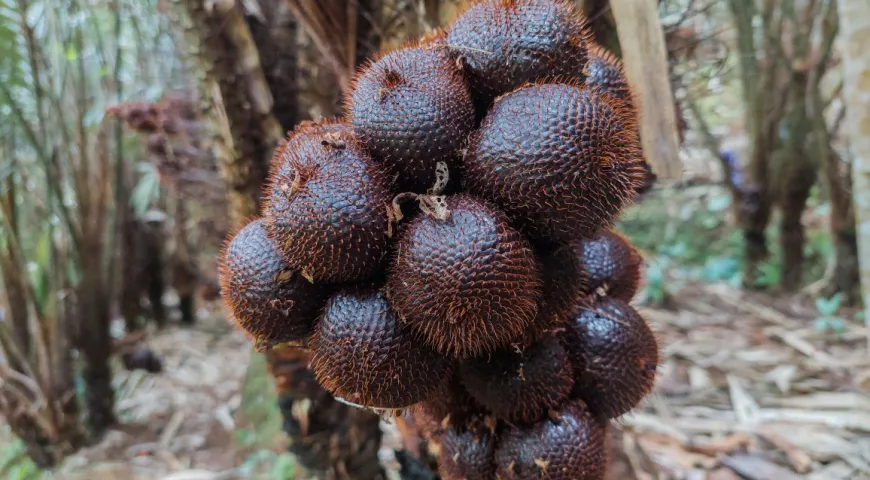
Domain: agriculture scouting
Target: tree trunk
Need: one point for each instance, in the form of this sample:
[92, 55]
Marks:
[95, 345]
[227, 54]
[185, 271]
[792, 234]
[837, 179]
[763, 114]
[275, 35]
[154, 239]
[47, 452]
[846, 278]
[855, 28]
[646, 67]
[796, 174]
[331, 440]
[132, 266]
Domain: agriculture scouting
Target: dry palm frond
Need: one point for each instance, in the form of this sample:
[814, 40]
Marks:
[332, 25]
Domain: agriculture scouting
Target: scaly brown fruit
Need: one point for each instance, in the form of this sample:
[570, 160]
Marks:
[520, 385]
[560, 160]
[605, 71]
[466, 282]
[365, 356]
[327, 204]
[502, 44]
[611, 265]
[412, 109]
[467, 453]
[569, 446]
[449, 407]
[615, 356]
[266, 297]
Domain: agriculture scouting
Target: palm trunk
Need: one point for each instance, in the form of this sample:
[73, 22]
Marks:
[95, 345]
[797, 175]
[855, 28]
[791, 231]
[846, 278]
[226, 54]
[330, 439]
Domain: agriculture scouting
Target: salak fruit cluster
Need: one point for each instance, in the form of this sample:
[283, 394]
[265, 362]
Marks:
[447, 244]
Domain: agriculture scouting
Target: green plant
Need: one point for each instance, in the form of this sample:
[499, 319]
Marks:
[828, 319]
[656, 289]
[15, 464]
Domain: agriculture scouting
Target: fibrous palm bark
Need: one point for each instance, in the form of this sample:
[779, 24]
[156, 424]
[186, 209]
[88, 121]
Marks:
[248, 61]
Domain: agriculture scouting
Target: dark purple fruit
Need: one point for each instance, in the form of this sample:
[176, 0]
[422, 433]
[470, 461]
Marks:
[603, 70]
[520, 385]
[267, 298]
[467, 453]
[568, 447]
[467, 283]
[615, 356]
[412, 109]
[612, 266]
[502, 44]
[451, 406]
[560, 160]
[365, 356]
[327, 205]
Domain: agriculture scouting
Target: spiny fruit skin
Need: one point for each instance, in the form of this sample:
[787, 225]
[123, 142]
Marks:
[468, 284]
[412, 109]
[606, 264]
[467, 453]
[615, 356]
[560, 160]
[520, 386]
[605, 71]
[610, 264]
[450, 406]
[571, 447]
[564, 283]
[327, 204]
[268, 299]
[363, 354]
[502, 44]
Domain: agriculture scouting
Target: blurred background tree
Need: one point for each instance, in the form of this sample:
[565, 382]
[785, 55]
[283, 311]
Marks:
[137, 134]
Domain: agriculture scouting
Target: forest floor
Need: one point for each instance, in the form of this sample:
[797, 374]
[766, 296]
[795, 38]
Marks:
[748, 388]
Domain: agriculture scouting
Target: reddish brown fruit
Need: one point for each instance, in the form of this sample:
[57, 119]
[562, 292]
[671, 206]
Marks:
[502, 44]
[564, 285]
[467, 283]
[327, 209]
[571, 447]
[412, 109]
[520, 386]
[451, 406]
[612, 266]
[605, 264]
[267, 298]
[615, 356]
[467, 453]
[564, 175]
[364, 355]
[604, 70]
